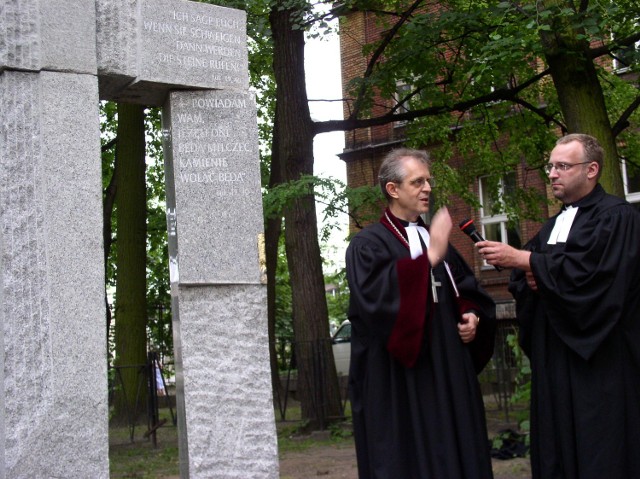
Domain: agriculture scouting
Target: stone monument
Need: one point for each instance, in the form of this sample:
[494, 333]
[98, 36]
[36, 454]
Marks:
[57, 59]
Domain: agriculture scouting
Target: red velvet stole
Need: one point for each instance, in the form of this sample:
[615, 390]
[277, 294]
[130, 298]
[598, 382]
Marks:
[414, 281]
[414, 284]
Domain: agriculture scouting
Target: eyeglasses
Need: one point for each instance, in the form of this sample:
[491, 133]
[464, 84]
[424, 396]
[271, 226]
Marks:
[562, 166]
[419, 182]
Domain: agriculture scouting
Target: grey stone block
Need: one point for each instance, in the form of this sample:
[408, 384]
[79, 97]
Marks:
[56, 35]
[227, 382]
[20, 35]
[148, 47]
[116, 50]
[52, 309]
[213, 166]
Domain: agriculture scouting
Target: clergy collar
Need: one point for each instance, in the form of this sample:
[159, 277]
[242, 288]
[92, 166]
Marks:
[396, 226]
[400, 222]
[406, 223]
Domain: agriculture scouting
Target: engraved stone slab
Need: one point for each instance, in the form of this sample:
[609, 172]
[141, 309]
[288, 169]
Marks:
[52, 312]
[177, 43]
[55, 35]
[212, 159]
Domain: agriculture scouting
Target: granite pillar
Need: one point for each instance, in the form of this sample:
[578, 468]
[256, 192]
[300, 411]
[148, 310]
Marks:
[218, 284]
[57, 59]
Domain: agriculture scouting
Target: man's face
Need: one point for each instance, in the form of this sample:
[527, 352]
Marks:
[573, 184]
[411, 197]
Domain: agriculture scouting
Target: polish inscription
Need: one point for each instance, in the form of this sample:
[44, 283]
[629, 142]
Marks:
[210, 44]
[211, 148]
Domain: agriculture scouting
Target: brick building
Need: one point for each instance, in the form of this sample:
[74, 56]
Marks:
[363, 153]
[365, 148]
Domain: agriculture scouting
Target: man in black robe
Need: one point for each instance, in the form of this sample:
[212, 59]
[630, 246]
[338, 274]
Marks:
[422, 329]
[577, 291]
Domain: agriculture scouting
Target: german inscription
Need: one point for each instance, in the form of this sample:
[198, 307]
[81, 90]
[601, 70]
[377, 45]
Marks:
[202, 42]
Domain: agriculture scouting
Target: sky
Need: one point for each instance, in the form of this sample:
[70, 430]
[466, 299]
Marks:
[322, 66]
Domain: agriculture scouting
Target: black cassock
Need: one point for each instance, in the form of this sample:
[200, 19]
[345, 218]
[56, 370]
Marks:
[415, 398]
[581, 331]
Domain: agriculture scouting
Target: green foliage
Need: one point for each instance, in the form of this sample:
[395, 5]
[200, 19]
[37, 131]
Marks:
[522, 394]
[474, 75]
[158, 284]
[108, 125]
[332, 194]
[284, 313]
[158, 296]
[338, 302]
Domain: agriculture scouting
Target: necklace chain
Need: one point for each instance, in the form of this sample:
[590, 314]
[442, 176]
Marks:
[396, 228]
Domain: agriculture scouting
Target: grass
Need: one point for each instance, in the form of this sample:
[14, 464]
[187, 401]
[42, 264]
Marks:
[292, 438]
[139, 459]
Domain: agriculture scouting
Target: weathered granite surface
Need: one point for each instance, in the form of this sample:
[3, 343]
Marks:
[52, 310]
[54, 35]
[215, 224]
[227, 385]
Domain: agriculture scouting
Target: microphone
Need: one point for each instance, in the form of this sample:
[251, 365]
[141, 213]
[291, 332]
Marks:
[470, 230]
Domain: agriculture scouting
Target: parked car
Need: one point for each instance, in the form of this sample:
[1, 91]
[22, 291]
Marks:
[342, 348]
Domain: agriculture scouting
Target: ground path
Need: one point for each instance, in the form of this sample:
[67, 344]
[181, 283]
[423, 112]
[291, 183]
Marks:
[339, 462]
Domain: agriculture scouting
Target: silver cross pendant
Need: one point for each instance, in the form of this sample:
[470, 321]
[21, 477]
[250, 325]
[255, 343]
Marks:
[434, 287]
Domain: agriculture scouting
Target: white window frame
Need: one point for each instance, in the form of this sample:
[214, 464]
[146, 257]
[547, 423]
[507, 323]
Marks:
[619, 67]
[631, 196]
[402, 88]
[486, 218]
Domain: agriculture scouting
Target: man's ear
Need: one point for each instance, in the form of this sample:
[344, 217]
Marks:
[392, 189]
[593, 170]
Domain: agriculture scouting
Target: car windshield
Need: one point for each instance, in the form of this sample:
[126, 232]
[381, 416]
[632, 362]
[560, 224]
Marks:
[343, 334]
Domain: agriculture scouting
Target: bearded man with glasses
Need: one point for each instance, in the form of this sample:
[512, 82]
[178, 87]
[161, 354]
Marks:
[577, 291]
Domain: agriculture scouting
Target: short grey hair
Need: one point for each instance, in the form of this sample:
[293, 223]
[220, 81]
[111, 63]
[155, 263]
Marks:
[593, 151]
[392, 167]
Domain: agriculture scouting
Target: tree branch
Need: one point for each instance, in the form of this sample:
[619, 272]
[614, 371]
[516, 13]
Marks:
[378, 53]
[501, 94]
[110, 144]
[623, 121]
[615, 45]
[540, 112]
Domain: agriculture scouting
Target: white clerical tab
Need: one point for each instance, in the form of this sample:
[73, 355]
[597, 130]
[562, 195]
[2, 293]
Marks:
[414, 241]
[413, 230]
[562, 227]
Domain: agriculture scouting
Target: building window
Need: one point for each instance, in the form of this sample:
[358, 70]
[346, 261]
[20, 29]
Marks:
[401, 98]
[493, 216]
[631, 180]
[625, 57]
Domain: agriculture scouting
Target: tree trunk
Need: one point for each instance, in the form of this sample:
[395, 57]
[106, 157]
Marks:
[580, 94]
[317, 379]
[131, 309]
[273, 229]
[107, 238]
